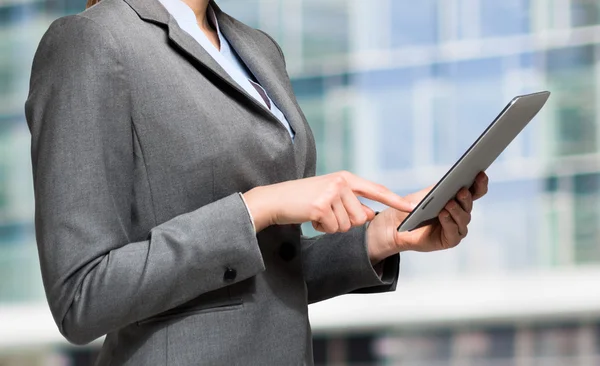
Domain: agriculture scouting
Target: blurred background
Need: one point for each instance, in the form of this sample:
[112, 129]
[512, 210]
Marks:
[395, 91]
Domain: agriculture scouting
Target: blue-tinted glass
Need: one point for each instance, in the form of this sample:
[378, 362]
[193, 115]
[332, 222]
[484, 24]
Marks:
[587, 184]
[506, 17]
[396, 129]
[587, 217]
[485, 68]
[569, 58]
[513, 203]
[325, 28]
[464, 112]
[478, 99]
[445, 133]
[551, 184]
[73, 6]
[585, 12]
[392, 98]
[6, 13]
[528, 60]
[312, 86]
[11, 14]
[442, 70]
[576, 128]
[246, 11]
[381, 80]
[64, 7]
[414, 22]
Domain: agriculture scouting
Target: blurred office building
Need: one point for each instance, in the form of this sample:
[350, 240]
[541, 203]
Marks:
[395, 91]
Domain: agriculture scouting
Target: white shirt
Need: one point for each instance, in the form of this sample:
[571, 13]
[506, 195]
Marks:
[226, 57]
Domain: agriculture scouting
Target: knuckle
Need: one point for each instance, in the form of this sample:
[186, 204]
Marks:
[359, 219]
[344, 173]
[317, 211]
[467, 195]
[348, 225]
[338, 181]
[468, 218]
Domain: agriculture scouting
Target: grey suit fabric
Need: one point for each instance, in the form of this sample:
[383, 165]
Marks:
[140, 143]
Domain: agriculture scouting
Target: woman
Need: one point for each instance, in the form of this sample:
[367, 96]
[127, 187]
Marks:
[172, 168]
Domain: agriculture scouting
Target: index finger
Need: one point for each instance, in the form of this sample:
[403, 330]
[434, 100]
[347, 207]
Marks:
[377, 192]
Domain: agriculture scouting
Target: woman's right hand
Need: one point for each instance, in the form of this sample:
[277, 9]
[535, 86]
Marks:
[330, 202]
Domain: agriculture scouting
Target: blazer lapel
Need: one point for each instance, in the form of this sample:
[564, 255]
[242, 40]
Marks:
[153, 11]
[270, 80]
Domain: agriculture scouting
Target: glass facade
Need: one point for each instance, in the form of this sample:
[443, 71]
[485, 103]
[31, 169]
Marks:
[395, 91]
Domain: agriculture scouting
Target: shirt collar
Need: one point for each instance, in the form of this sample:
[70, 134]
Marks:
[184, 14]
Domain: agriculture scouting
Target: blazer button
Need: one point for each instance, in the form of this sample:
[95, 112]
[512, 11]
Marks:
[230, 274]
[287, 251]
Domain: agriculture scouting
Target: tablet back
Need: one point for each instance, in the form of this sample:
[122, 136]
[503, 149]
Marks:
[509, 123]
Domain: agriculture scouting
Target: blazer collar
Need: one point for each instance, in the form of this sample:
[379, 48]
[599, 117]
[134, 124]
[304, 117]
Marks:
[153, 11]
[269, 78]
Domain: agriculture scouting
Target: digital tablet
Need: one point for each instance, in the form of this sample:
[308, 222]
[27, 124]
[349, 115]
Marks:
[496, 137]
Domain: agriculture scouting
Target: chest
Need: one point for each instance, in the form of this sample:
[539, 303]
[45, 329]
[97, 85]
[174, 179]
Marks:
[200, 138]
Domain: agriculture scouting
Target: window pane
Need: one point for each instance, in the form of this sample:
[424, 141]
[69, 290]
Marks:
[325, 28]
[391, 94]
[414, 22]
[246, 11]
[502, 18]
[587, 217]
[571, 78]
[585, 12]
[445, 131]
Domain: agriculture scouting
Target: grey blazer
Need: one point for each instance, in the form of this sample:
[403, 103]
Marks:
[140, 145]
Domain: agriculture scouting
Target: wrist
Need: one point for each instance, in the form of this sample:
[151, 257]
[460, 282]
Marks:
[377, 250]
[258, 208]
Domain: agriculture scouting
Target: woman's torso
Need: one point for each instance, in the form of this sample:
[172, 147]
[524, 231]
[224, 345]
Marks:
[198, 139]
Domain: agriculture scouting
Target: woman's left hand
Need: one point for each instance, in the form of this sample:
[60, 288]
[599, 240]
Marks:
[384, 240]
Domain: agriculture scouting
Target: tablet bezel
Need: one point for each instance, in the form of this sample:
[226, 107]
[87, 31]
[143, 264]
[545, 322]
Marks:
[430, 195]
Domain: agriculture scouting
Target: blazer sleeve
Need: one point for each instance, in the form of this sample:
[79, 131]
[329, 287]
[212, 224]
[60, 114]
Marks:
[97, 279]
[337, 264]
